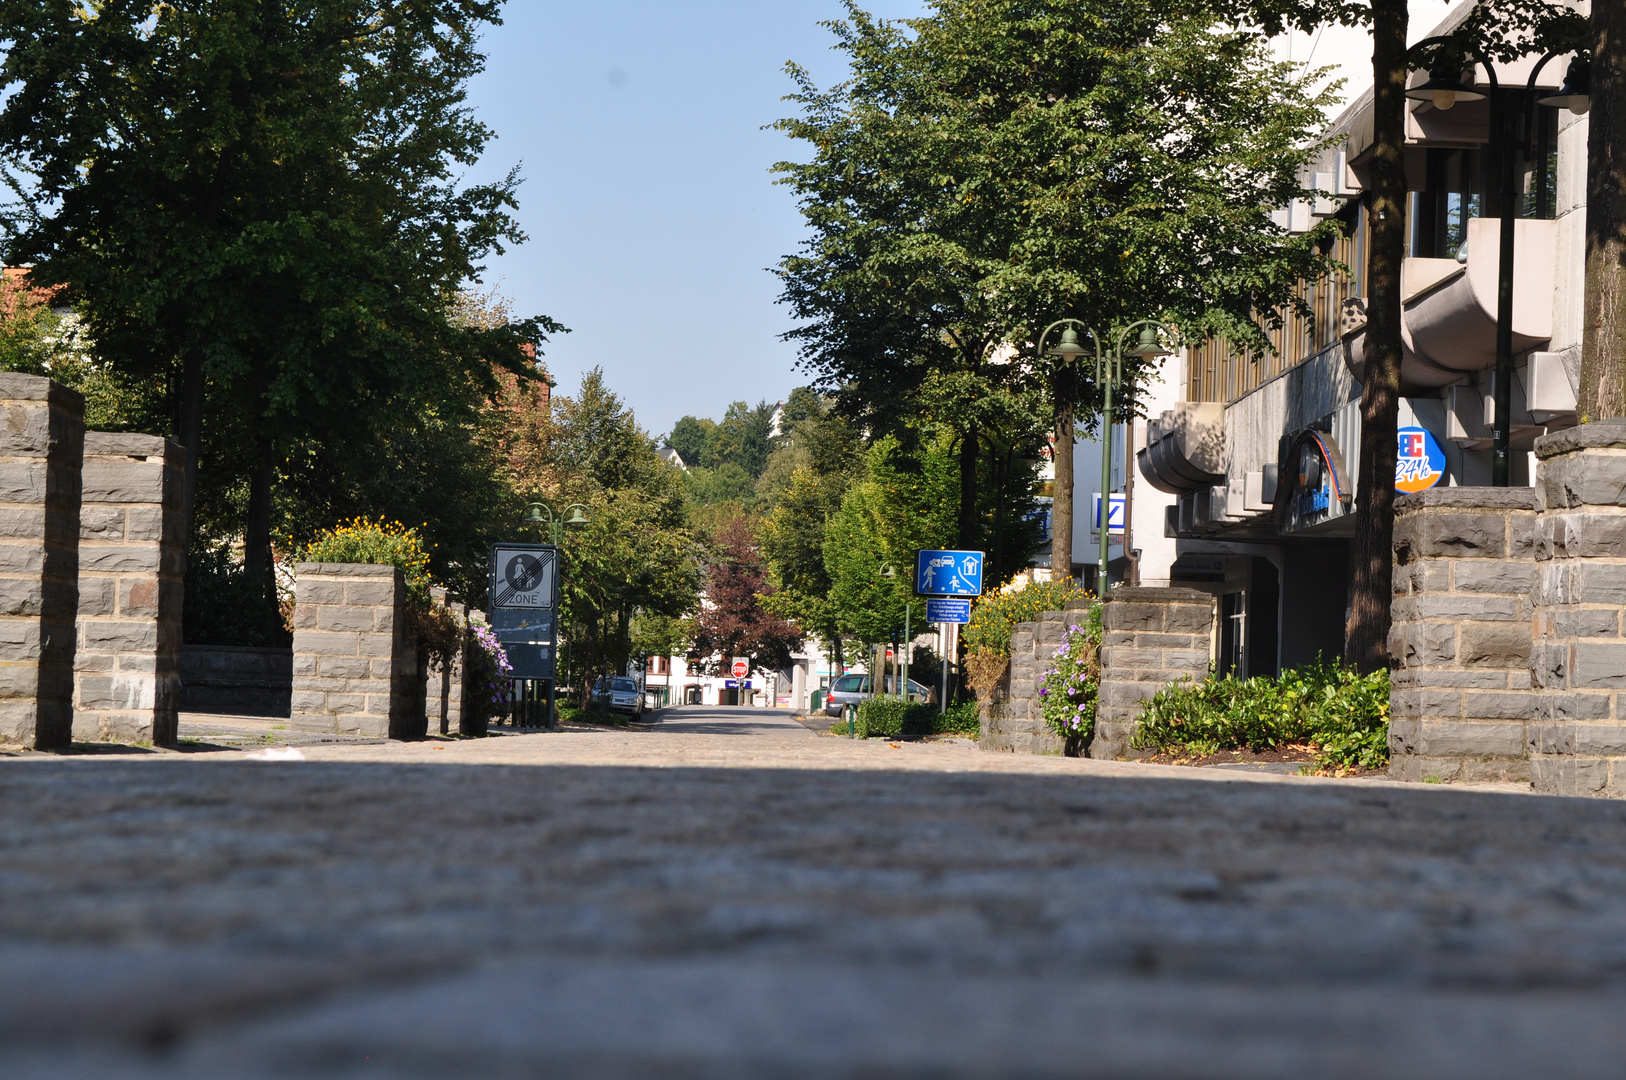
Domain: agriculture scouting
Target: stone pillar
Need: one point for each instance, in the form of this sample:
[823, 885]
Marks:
[1016, 724]
[355, 665]
[132, 561]
[42, 441]
[1460, 697]
[1578, 658]
[1150, 638]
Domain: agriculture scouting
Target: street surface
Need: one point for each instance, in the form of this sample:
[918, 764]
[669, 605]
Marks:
[728, 894]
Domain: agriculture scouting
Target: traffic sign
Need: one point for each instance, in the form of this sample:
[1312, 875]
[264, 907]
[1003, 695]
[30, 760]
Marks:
[741, 667]
[524, 576]
[948, 573]
[1115, 512]
[943, 610]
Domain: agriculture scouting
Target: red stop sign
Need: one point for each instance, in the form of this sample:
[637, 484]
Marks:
[741, 669]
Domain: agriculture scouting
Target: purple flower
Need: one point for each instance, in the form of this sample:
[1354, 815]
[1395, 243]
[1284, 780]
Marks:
[1044, 692]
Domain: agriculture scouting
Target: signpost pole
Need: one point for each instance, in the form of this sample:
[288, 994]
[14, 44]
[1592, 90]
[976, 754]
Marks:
[942, 642]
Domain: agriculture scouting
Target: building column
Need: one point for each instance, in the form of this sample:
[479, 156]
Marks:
[1578, 660]
[132, 561]
[1459, 640]
[42, 442]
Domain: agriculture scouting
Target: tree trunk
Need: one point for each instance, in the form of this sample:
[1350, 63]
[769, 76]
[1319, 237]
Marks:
[970, 535]
[1366, 645]
[1061, 497]
[1002, 483]
[191, 435]
[257, 536]
[1603, 336]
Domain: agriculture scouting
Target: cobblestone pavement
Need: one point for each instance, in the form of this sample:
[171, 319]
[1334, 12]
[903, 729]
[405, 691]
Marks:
[758, 901]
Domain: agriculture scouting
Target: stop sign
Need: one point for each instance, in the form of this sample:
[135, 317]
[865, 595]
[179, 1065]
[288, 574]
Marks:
[741, 668]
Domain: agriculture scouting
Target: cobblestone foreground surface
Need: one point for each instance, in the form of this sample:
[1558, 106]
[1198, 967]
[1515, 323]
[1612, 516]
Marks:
[696, 903]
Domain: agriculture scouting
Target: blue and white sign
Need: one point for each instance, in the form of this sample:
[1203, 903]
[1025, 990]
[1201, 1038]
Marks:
[948, 573]
[942, 610]
[1115, 513]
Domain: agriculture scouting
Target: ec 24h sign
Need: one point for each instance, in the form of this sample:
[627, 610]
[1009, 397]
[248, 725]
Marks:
[948, 573]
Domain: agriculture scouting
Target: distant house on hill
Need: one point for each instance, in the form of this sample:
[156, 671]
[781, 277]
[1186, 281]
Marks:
[673, 456]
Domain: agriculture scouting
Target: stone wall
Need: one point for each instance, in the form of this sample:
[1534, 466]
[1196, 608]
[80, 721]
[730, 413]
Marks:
[1578, 659]
[355, 669]
[1460, 697]
[1150, 638]
[42, 439]
[132, 559]
[237, 680]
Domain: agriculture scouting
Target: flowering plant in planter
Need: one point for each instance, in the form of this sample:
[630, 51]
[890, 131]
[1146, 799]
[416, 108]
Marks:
[1069, 687]
[488, 672]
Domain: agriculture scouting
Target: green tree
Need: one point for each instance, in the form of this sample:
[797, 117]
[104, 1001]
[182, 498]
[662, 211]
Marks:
[637, 560]
[744, 438]
[257, 207]
[691, 438]
[995, 165]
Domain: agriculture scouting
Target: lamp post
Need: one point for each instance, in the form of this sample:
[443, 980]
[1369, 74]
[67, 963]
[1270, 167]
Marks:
[542, 515]
[1444, 91]
[1068, 350]
[889, 573]
[573, 516]
[1108, 376]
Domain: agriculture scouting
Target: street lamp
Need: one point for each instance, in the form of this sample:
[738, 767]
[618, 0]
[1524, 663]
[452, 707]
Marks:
[1445, 91]
[541, 514]
[889, 574]
[1108, 376]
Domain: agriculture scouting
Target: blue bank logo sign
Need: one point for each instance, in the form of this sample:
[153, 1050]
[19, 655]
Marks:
[940, 609]
[948, 573]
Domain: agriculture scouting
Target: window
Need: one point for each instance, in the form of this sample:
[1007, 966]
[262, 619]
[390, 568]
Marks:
[848, 684]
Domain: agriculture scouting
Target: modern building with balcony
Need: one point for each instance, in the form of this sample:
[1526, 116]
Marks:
[1261, 453]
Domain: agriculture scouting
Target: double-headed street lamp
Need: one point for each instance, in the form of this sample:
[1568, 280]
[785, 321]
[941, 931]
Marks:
[1444, 89]
[1109, 375]
[541, 514]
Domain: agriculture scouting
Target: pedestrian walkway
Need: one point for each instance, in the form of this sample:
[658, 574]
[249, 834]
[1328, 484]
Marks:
[761, 901]
[728, 720]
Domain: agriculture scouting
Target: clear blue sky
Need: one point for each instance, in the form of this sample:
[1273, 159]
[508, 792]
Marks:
[651, 213]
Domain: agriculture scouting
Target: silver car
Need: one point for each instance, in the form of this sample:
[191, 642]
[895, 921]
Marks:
[854, 688]
[623, 694]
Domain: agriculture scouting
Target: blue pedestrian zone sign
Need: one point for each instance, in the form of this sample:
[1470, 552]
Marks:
[948, 573]
[945, 610]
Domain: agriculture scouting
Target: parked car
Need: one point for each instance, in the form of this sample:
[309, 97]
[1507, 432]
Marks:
[623, 694]
[851, 689]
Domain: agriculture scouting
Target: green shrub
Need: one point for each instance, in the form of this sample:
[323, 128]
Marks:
[1342, 714]
[379, 543]
[382, 543]
[994, 616]
[892, 718]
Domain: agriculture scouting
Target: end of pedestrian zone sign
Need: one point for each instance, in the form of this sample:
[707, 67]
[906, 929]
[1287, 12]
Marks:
[948, 573]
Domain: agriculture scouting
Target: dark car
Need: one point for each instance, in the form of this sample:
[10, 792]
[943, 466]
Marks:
[854, 688]
[623, 695]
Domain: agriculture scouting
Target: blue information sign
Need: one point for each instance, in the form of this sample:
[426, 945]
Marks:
[941, 609]
[948, 573]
